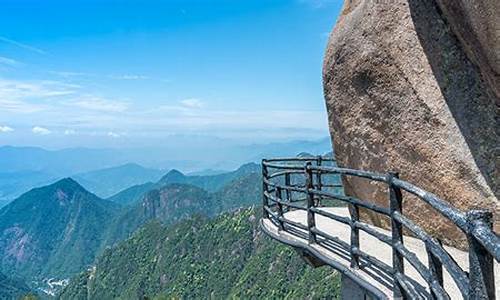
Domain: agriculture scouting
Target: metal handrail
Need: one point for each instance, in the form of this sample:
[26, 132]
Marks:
[484, 243]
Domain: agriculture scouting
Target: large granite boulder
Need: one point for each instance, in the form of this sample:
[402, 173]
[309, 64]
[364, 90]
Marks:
[413, 86]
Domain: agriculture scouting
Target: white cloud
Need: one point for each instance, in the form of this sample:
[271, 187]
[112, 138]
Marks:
[41, 130]
[69, 132]
[26, 96]
[22, 45]
[18, 106]
[8, 61]
[129, 77]
[114, 134]
[95, 103]
[6, 129]
[192, 103]
[71, 74]
[179, 119]
[56, 104]
[319, 3]
[36, 88]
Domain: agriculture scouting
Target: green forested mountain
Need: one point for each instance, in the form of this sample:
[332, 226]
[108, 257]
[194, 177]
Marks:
[216, 258]
[57, 230]
[132, 194]
[243, 191]
[53, 231]
[210, 183]
[14, 184]
[168, 204]
[12, 289]
[177, 201]
[109, 181]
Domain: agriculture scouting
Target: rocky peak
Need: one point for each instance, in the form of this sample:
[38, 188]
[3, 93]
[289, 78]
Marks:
[404, 93]
[173, 176]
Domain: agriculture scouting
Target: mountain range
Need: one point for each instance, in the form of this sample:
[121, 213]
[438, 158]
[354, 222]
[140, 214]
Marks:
[208, 182]
[22, 168]
[58, 230]
[162, 228]
[222, 258]
[211, 183]
[132, 194]
[54, 230]
[178, 197]
[109, 181]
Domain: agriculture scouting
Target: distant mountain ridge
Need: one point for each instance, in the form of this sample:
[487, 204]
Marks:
[109, 181]
[23, 168]
[65, 161]
[210, 183]
[53, 230]
[132, 194]
[170, 201]
[58, 230]
[188, 154]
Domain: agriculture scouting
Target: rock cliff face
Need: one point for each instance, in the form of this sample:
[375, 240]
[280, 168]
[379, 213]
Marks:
[413, 86]
[477, 26]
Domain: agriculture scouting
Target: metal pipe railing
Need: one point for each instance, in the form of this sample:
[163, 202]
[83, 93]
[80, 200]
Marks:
[484, 243]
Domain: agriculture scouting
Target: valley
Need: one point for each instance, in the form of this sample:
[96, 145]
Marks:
[58, 234]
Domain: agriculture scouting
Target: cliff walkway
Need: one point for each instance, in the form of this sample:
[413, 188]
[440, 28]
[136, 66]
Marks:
[301, 208]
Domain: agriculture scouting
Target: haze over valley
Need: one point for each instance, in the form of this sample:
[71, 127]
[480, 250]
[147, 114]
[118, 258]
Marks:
[131, 140]
[105, 172]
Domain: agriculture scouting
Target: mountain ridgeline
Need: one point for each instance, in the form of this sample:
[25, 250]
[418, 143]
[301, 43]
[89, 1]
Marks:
[107, 182]
[177, 196]
[53, 231]
[132, 194]
[180, 237]
[210, 183]
[58, 230]
[22, 168]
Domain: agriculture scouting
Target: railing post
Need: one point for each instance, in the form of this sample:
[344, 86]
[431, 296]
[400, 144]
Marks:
[265, 201]
[396, 205]
[310, 202]
[481, 273]
[280, 208]
[354, 211]
[287, 191]
[435, 267]
[318, 179]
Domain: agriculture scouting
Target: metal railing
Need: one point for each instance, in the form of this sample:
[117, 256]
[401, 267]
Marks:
[300, 184]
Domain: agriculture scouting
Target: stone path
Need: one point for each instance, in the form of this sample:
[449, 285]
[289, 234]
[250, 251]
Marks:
[371, 246]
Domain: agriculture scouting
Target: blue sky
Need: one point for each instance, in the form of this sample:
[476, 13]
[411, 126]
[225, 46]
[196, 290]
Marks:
[114, 73]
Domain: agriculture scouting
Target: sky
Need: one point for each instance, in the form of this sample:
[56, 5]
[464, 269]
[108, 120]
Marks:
[134, 73]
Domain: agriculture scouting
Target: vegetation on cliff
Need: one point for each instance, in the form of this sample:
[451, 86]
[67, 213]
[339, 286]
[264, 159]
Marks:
[53, 231]
[224, 257]
[12, 288]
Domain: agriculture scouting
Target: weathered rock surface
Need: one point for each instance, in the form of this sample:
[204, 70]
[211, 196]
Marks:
[413, 88]
[477, 26]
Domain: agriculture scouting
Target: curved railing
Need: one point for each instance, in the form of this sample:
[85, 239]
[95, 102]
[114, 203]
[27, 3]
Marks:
[302, 184]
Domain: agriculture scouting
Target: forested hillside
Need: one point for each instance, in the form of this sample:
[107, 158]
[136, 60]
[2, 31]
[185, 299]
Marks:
[53, 231]
[58, 230]
[12, 288]
[215, 258]
[173, 202]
